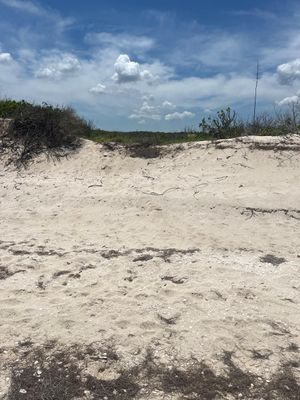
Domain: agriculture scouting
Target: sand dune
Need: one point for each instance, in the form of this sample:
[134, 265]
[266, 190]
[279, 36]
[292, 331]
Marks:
[191, 255]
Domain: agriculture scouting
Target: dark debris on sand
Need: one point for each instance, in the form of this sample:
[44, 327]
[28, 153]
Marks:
[44, 374]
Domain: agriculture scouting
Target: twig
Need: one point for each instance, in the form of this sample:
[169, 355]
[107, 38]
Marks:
[221, 178]
[160, 194]
[147, 176]
[96, 185]
[253, 211]
[245, 166]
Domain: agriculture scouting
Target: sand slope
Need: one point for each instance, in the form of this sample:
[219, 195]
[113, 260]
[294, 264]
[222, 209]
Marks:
[192, 254]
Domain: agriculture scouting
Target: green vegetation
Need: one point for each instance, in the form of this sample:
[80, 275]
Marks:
[145, 137]
[56, 131]
[37, 129]
[227, 125]
[223, 125]
[9, 108]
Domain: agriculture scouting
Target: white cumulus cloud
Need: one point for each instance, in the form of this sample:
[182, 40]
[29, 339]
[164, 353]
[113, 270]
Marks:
[289, 100]
[146, 112]
[57, 66]
[289, 72]
[129, 71]
[168, 105]
[178, 115]
[5, 58]
[99, 88]
[148, 98]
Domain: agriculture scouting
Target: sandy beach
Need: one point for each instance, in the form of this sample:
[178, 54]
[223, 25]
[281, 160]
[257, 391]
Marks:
[192, 255]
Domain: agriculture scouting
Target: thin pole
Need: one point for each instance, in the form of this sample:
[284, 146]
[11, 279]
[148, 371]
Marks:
[255, 96]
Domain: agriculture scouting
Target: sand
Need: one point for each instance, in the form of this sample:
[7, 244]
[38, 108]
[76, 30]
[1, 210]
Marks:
[191, 254]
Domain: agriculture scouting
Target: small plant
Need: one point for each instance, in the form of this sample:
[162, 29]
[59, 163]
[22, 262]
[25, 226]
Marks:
[224, 125]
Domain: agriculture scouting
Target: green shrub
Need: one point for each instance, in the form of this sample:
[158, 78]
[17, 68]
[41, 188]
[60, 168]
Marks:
[40, 129]
[9, 108]
[227, 125]
[224, 125]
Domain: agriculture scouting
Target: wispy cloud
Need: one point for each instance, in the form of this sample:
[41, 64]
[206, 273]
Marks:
[285, 46]
[37, 10]
[122, 41]
[25, 6]
[256, 13]
[206, 49]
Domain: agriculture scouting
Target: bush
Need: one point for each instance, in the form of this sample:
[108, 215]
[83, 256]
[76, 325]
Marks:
[40, 129]
[281, 124]
[9, 108]
[227, 125]
[224, 125]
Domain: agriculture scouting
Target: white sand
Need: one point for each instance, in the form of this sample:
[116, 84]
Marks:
[59, 221]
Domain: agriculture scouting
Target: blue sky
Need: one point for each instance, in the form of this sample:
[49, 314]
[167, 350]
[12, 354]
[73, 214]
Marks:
[159, 65]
